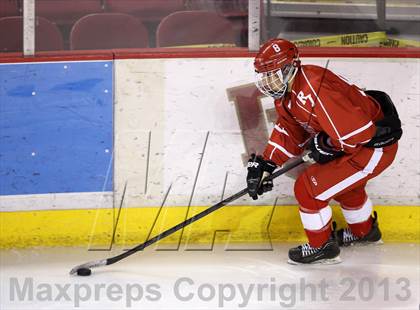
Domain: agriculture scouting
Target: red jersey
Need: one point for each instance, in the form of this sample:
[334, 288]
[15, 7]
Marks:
[321, 101]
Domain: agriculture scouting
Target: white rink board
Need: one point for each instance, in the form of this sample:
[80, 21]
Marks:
[167, 110]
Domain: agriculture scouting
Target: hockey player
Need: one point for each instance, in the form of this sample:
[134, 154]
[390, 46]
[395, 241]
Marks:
[352, 136]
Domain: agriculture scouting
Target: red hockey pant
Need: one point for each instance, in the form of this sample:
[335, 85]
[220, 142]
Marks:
[343, 180]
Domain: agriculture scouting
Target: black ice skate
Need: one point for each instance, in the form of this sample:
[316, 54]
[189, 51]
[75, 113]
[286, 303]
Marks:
[346, 238]
[326, 254]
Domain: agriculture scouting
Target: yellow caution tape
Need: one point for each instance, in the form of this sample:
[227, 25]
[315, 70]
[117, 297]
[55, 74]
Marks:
[363, 39]
[366, 39]
[390, 42]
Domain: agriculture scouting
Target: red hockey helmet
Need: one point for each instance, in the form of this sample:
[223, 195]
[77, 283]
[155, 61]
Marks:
[276, 64]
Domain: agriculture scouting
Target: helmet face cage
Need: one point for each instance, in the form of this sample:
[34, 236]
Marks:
[274, 83]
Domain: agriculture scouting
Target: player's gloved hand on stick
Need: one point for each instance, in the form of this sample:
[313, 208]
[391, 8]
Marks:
[322, 151]
[258, 170]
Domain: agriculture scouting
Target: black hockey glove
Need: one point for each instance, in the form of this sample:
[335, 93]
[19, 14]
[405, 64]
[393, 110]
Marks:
[258, 170]
[321, 150]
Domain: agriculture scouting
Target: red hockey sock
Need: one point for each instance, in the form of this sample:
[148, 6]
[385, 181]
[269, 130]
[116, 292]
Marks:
[317, 238]
[361, 229]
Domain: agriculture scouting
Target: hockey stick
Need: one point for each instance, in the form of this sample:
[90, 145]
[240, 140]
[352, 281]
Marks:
[113, 260]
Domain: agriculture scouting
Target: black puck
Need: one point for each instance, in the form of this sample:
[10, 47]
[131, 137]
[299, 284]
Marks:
[84, 272]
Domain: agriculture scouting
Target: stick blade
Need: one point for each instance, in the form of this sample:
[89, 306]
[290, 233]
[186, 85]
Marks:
[90, 265]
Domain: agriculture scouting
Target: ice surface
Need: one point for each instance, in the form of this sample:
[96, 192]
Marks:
[370, 277]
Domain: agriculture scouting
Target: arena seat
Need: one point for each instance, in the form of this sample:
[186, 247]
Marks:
[47, 35]
[9, 8]
[231, 8]
[146, 10]
[65, 12]
[194, 28]
[107, 31]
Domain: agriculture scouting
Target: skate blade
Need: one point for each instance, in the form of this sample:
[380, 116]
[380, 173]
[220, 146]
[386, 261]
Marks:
[379, 242]
[326, 261]
[366, 243]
